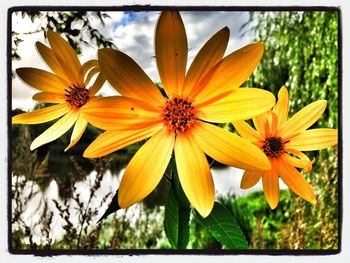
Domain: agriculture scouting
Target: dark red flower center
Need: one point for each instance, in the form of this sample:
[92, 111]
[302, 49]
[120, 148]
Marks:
[273, 147]
[77, 96]
[178, 114]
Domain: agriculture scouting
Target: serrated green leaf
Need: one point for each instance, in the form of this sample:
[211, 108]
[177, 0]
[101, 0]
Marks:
[177, 214]
[223, 227]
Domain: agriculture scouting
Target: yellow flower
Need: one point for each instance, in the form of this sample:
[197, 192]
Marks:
[67, 87]
[209, 92]
[282, 141]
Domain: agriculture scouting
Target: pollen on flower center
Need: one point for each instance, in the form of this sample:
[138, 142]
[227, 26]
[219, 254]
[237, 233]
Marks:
[77, 96]
[178, 114]
[273, 147]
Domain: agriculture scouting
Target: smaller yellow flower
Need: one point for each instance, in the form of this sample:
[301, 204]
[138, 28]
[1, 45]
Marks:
[279, 138]
[67, 87]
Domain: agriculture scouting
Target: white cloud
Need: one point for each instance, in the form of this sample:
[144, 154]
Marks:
[135, 37]
[22, 93]
[200, 26]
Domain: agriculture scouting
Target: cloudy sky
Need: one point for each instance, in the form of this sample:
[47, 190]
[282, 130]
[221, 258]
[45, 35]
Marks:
[133, 33]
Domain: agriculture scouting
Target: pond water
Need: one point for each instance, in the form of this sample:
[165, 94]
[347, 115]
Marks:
[226, 180]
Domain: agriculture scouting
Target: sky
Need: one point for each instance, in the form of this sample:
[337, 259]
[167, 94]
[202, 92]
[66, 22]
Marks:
[133, 34]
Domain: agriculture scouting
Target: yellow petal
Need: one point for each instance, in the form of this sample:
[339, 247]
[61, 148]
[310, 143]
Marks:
[229, 74]
[302, 162]
[121, 113]
[272, 130]
[50, 97]
[303, 119]
[56, 130]
[282, 106]
[42, 80]
[271, 185]
[241, 104]
[51, 60]
[112, 140]
[228, 148]
[126, 76]
[146, 168]
[66, 56]
[296, 182]
[206, 58]
[247, 132]
[90, 75]
[89, 65]
[78, 130]
[314, 139]
[41, 115]
[171, 52]
[194, 174]
[100, 80]
[259, 124]
[250, 179]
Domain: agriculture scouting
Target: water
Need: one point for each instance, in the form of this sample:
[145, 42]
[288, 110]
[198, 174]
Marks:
[226, 180]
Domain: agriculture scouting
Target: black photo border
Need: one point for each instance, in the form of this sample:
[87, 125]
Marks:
[131, 252]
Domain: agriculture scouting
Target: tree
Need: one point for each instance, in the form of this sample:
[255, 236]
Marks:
[301, 52]
[77, 26]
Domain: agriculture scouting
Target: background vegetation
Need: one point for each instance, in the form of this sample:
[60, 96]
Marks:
[76, 26]
[301, 52]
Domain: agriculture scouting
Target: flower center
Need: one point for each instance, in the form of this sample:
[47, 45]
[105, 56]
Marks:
[77, 96]
[273, 147]
[178, 114]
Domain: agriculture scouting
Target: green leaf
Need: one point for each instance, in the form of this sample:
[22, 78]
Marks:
[177, 213]
[223, 227]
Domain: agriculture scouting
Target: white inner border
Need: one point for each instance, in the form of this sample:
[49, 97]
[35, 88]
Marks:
[344, 256]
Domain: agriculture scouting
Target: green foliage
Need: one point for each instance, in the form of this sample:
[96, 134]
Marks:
[220, 223]
[294, 224]
[177, 213]
[261, 225]
[117, 232]
[200, 238]
[24, 161]
[301, 52]
[58, 165]
[223, 227]
[76, 26]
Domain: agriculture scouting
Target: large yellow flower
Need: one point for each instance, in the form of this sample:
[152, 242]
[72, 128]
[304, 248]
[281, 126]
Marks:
[282, 141]
[67, 87]
[209, 92]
